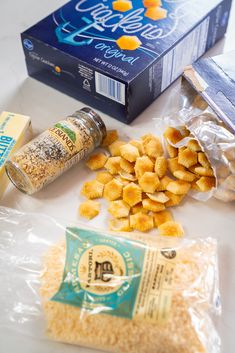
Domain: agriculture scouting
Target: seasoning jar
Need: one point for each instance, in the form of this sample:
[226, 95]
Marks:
[56, 150]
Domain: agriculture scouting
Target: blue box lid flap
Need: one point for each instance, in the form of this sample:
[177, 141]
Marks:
[90, 29]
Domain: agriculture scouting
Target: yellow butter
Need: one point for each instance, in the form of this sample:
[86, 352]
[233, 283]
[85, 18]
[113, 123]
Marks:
[13, 134]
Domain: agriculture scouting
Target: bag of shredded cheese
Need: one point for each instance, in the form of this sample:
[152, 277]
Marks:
[132, 293]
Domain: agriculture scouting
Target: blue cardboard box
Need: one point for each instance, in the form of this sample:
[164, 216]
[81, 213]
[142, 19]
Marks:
[119, 62]
[214, 79]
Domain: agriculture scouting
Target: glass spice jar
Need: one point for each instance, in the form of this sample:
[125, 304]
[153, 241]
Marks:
[56, 150]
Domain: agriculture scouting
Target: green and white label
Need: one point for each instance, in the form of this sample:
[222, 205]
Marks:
[117, 276]
[101, 272]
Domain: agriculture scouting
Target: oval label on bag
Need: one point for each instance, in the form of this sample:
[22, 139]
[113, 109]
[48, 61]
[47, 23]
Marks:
[100, 270]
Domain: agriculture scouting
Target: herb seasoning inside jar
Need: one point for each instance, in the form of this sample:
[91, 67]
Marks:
[54, 151]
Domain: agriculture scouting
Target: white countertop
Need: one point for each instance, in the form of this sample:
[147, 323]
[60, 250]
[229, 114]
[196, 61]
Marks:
[18, 93]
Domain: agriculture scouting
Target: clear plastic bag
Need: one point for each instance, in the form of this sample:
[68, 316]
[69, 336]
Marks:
[130, 293]
[215, 139]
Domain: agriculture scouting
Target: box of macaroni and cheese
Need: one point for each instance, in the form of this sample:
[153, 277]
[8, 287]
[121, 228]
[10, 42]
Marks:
[119, 55]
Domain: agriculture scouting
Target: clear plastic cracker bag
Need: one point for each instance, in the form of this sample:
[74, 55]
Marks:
[121, 292]
[214, 138]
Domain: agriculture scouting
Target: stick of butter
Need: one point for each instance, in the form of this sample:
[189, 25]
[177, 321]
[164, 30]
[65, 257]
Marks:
[13, 134]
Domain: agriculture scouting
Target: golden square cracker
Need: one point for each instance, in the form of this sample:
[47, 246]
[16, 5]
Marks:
[92, 189]
[187, 158]
[158, 197]
[153, 148]
[162, 217]
[127, 166]
[138, 144]
[138, 208]
[129, 152]
[153, 206]
[193, 145]
[161, 166]
[120, 225]
[174, 165]
[171, 228]
[112, 136]
[113, 190]
[142, 165]
[173, 135]
[114, 148]
[149, 182]
[172, 151]
[192, 169]
[132, 194]
[181, 149]
[178, 187]
[206, 183]
[204, 171]
[184, 175]
[119, 209]
[147, 137]
[141, 222]
[113, 165]
[123, 181]
[175, 200]
[127, 176]
[163, 183]
[202, 159]
[89, 209]
[104, 177]
[96, 161]
[195, 187]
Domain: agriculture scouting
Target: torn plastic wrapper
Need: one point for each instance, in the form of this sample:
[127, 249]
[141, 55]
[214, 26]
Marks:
[207, 110]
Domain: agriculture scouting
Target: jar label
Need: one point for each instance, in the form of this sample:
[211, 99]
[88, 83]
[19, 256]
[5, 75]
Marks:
[107, 275]
[66, 134]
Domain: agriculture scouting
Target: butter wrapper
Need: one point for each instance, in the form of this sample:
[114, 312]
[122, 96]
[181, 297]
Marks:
[15, 130]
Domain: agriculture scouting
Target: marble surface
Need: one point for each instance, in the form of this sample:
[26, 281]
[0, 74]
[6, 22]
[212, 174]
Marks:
[21, 94]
